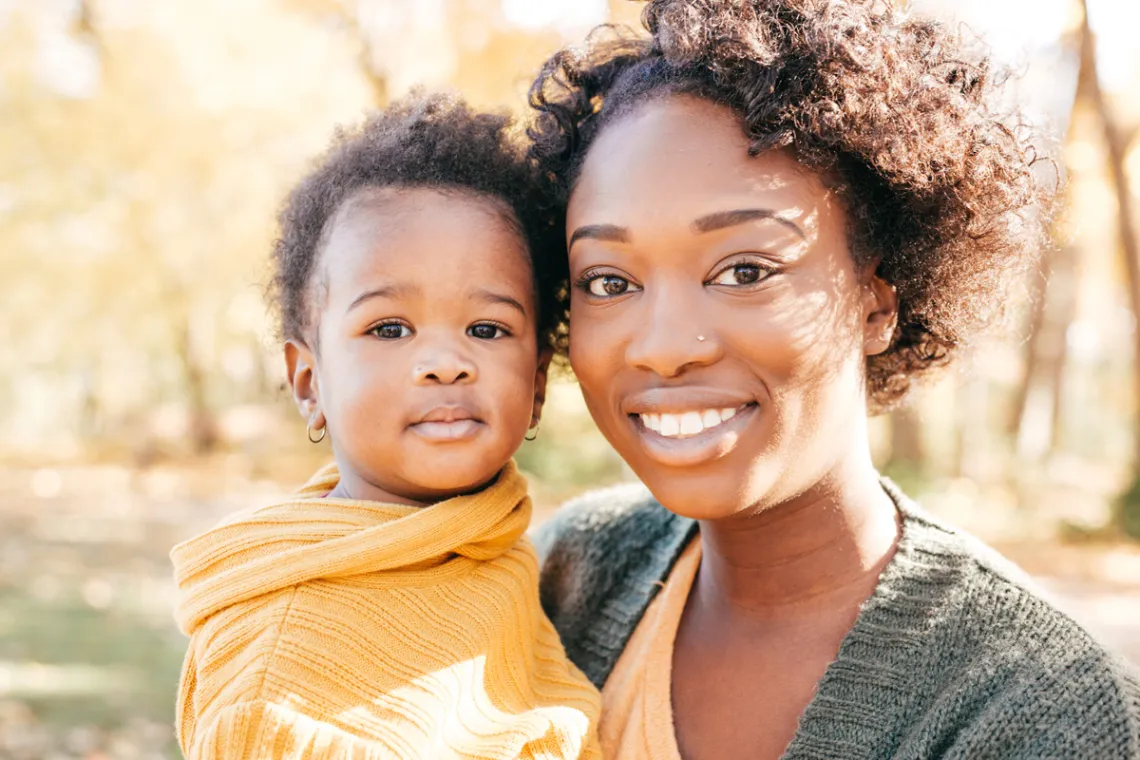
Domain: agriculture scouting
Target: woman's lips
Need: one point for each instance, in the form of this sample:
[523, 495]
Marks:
[684, 438]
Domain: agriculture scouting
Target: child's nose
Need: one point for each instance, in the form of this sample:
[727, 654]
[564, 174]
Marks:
[443, 367]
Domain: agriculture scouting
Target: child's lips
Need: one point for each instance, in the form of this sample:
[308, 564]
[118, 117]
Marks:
[448, 423]
[457, 430]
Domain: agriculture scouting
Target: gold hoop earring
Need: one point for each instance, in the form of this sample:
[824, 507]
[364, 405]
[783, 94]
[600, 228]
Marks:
[309, 432]
[529, 437]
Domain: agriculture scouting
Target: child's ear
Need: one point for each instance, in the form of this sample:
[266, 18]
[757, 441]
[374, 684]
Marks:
[300, 367]
[544, 357]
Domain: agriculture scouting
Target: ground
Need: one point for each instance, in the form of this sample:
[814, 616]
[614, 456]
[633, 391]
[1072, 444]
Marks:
[89, 654]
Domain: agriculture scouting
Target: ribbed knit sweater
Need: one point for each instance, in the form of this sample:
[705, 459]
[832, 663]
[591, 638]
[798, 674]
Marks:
[954, 655]
[331, 628]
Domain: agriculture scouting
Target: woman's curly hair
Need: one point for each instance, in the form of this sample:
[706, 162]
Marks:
[937, 177]
[435, 141]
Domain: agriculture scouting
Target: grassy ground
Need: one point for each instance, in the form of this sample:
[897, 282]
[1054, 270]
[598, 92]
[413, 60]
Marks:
[89, 654]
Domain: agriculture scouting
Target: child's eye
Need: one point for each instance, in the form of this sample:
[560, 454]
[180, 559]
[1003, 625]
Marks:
[486, 331]
[741, 273]
[391, 331]
[608, 285]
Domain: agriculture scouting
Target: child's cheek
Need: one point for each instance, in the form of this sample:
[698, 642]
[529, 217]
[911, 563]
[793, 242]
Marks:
[514, 392]
[369, 390]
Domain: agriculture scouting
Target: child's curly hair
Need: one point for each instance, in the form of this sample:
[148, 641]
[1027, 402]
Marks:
[939, 181]
[435, 141]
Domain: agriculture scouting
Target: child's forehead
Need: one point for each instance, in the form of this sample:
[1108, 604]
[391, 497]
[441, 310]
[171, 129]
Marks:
[423, 234]
[395, 206]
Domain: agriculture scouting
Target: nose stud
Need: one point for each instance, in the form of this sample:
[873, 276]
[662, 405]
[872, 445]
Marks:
[700, 337]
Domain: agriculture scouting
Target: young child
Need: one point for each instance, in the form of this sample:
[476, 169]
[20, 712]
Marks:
[390, 608]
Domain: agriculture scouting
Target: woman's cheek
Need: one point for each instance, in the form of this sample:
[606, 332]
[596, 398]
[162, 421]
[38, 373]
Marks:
[819, 323]
[592, 341]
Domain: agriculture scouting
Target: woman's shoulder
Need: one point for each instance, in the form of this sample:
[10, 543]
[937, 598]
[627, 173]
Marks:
[972, 585]
[604, 555]
[989, 651]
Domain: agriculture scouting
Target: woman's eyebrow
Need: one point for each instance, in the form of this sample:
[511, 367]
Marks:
[610, 232]
[722, 219]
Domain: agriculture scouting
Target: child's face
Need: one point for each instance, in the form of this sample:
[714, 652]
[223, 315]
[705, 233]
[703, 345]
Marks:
[426, 369]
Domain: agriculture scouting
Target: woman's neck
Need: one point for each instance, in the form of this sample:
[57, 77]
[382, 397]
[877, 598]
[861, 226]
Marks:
[800, 558]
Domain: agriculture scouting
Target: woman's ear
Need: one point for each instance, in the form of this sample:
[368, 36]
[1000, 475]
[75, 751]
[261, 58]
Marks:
[300, 368]
[881, 310]
[544, 358]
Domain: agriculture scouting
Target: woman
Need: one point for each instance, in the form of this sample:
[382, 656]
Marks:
[780, 214]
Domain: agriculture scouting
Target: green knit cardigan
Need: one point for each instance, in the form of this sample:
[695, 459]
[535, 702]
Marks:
[955, 655]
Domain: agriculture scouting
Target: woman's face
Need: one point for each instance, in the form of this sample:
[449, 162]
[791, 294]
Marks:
[719, 325]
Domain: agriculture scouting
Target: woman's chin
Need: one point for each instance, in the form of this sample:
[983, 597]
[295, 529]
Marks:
[698, 498]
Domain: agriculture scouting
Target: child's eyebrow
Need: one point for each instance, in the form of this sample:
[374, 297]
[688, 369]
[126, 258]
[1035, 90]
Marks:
[386, 291]
[492, 297]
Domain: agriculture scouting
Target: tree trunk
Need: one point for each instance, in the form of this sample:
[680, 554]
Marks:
[1114, 140]
[1068, 271]
[203, 426]
[1039, 289]
[1048, 354]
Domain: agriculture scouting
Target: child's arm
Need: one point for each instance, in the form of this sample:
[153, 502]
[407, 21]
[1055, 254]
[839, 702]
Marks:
[224, 709]
[261, 730]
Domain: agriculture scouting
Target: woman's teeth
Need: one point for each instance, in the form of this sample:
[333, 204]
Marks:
[687, 423]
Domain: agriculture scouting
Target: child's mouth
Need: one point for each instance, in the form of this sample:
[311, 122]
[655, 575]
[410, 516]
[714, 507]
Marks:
[447, 424]
[442, 432]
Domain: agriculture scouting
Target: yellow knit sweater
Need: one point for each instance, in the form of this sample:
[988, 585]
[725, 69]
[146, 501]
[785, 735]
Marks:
[331, 628]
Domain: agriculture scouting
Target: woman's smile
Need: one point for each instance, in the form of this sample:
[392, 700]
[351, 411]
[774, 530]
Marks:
[689, 438]
[684, 426]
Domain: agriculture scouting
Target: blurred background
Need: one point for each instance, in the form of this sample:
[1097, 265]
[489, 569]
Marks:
[144, 148]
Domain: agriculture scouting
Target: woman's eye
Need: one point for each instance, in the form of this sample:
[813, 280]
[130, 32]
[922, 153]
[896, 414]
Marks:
[391, 331]
[608, 285]
[486, 332]
[740, 274]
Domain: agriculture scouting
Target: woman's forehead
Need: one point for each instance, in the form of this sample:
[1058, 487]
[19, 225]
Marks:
[676, 162]
[690, 157]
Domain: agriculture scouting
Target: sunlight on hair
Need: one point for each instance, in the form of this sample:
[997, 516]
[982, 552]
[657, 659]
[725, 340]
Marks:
[1014, 27]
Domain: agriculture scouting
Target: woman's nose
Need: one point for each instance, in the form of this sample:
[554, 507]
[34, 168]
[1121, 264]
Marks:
[671, 338]
[443, 365]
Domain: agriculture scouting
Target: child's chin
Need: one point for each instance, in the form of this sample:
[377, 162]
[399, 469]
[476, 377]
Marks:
[450, 478]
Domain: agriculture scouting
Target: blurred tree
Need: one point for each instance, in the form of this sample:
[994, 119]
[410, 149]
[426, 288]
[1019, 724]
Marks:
[138, 181]
[1116, 143]
[467, 45]
[1126, 514]
[1053, 287]
[347, 16]
[147, 149]
[907, 460]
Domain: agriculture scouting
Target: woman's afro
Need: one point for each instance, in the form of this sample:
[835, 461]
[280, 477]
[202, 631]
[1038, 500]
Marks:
[434, 141]
[939, 179]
